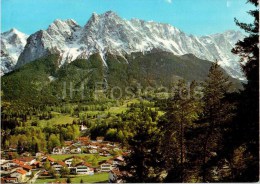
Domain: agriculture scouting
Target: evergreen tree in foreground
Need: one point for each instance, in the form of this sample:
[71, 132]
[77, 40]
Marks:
[246, 127]
[183, 109]
[143, 163]
[68, 180]
[217, 112]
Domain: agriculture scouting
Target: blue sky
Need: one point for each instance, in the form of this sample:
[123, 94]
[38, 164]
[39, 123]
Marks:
[199, 17]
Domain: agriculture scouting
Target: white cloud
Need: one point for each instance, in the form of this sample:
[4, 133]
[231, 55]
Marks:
[168, 1]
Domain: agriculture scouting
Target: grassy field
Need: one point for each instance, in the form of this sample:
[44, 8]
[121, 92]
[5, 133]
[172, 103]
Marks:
[92, 113]
[123, 108]
[58, 119]
[83, 156]
[117, 110]
[96, 178]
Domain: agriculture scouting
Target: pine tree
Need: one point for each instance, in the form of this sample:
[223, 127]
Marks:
[53, 172]
[216, 112]
[183, 110]
[143, 164]
[246, 127]
[19, 147]
[248, 49]
[64, 172]
[68, 180]
[47, 165]
[36, 147]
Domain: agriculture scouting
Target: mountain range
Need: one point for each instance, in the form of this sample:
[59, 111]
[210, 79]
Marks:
[106, 34]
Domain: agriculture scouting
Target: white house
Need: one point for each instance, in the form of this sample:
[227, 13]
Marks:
[19, 174]
[100, 139]
[57, 151]
[61, 150]
[5, 165]
[93, 150]
[82, 128]
[3, 161]
[68, 161]
[75, 150]
[27, 160]
[65, 150]
[58, 165]
[104, 153]
[39, 154]
[9, 180]
[106, 166]
[26, 154]
[84, 168]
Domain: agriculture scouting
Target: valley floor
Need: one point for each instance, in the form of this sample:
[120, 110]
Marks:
[96, 178]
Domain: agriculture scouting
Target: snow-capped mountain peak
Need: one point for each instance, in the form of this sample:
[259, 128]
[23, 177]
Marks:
[62, 29]
[14, 36]
[108, 32]
[12, 45]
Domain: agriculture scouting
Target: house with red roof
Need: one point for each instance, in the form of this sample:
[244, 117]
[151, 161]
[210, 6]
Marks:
[20, 174]
[68, 143]
[27, 160]
[44, 173]
[106, 166]
[57, 165]
[84, 168]
[11, 155]
[2, 180]
[84, 139]
[9, 180]
[17, 162]
[36, 165]
[68, 161]
[100, 139]
[48, 158]
[27, 168]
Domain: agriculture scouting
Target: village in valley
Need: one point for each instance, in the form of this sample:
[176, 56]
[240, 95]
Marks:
[75, 160]
[71, 144]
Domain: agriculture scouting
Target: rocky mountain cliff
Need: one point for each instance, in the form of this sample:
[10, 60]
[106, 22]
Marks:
[108, 33]
[12, 45]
